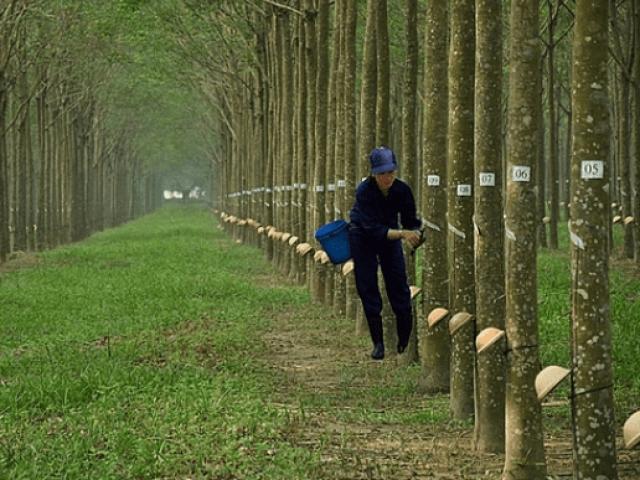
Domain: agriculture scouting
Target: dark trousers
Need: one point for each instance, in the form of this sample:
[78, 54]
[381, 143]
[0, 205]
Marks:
[367, 255]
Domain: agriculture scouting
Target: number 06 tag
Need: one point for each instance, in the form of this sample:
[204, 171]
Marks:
[521, 173]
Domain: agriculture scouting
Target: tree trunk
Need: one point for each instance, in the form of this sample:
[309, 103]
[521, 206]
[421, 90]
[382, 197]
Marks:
[636, 131]
[410, 163]
[552, 157]
[524, 451]
[331, 199]
[286, 159]
[311, 62]
[489, 234]
[592, 389]
[624, 159]
[43, 157]
[383, 131]
[350, 152]
[321, 126]
[23, 171]
[460, 202]
[435, 343]
[302, 144]
[339, 298]
[541, 180]
[368, 94]
[4, 174]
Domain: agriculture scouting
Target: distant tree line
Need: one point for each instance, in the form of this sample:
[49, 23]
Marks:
[68, 165]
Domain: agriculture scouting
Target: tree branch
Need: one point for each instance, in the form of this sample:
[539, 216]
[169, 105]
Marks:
[285, 7]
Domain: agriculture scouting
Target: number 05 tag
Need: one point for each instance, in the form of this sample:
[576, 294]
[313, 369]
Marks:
[592, 169]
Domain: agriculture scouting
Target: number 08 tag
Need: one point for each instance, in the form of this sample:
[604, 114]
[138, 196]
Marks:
[464, 190]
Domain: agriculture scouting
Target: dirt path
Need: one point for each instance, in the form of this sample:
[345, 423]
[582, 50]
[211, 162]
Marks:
[365, 422]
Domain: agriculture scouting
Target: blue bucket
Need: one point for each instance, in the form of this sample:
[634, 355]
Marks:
[334, 238]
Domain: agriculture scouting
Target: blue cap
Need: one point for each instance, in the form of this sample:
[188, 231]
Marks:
[382, 159]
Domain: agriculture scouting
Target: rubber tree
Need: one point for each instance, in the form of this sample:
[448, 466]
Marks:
[524, 449]
[336, 145]
[11, 15]
[383, 70]
[311, 68]
[435, 343]
[410, 163]
[622, 53]
[368, 95]
[592, 351]
[350, 152]
[383, 137]
[636, 129]
[553, 12]
[301, 143]
[332, 277]
[460, 202]
[489, 231]
[320, 133]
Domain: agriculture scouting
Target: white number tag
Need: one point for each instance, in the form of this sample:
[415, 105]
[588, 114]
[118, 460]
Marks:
[433, 180]
[592, 169]
[464, 190]
[521, 173]
[487, 179]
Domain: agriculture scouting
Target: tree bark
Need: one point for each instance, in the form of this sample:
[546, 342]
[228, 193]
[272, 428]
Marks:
[321, 127]
[524, 451]
[4, 174]
[489, 232]
[350, 151]
[368, 95]
[460, 202]
[592, 389]
[382, 118]
[552, 147]
[435, 343]
[302, 144]
[636, 131]
[410, 163]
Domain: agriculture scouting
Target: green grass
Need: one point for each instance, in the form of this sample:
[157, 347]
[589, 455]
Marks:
[138, 353]
[132, 355]
[554, 290]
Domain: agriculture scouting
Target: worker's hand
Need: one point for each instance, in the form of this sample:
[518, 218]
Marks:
[412, 237]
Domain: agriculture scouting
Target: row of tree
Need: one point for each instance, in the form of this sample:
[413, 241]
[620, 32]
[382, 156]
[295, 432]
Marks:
[294, 142]
[94, 121]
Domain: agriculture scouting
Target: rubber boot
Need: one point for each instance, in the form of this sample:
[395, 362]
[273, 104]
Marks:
[378, 351]
[404, 332]
[375, 329]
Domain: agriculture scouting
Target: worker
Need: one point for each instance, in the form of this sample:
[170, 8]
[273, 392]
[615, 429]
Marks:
[376, 239]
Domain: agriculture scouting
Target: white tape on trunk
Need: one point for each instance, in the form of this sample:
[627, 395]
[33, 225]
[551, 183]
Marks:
[432, 226]
[576, 240]
[457, 232]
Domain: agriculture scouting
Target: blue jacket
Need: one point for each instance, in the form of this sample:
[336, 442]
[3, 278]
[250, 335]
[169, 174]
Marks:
[373, 214]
